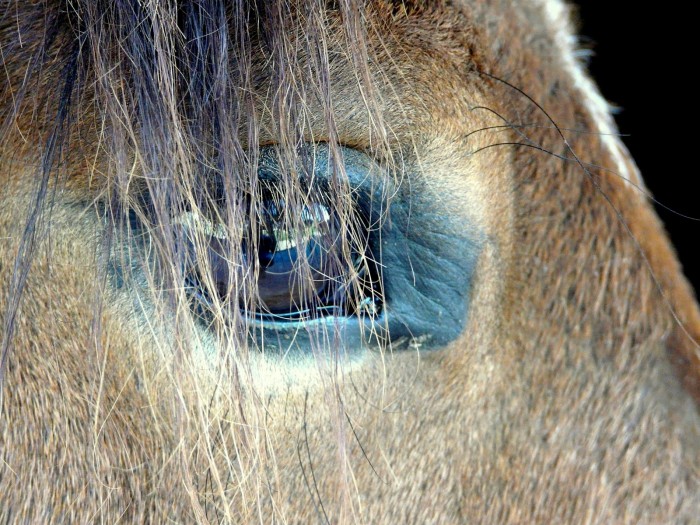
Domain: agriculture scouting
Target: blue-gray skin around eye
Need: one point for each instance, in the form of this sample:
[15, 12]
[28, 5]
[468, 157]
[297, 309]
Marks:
[427, 260]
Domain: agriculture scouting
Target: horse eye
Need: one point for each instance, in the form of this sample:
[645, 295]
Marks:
[299, 257]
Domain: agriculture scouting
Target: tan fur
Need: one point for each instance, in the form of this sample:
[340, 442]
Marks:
[559, 403]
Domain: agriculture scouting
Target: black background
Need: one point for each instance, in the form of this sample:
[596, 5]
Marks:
[637, 63]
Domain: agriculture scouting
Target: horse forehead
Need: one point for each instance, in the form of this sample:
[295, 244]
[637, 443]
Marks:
[553, 19]
[428, 42]
[551, 22]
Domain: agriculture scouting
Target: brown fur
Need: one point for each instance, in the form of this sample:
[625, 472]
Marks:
[558, 403]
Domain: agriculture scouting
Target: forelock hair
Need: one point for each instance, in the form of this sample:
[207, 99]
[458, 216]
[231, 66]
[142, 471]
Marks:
[161, 100]
[167, 92]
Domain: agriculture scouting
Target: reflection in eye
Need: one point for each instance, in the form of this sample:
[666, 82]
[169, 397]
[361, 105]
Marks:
[296, 252]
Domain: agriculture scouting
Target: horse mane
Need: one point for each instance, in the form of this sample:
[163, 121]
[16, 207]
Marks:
[161, 96]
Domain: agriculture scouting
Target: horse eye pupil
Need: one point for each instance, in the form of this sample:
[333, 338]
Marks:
[267, 244]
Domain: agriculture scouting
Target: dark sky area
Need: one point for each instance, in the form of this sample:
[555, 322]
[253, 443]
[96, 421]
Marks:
[635, 64]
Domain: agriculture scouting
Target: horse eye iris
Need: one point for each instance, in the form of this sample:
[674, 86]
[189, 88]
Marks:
[283, 253]
[296, 253]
